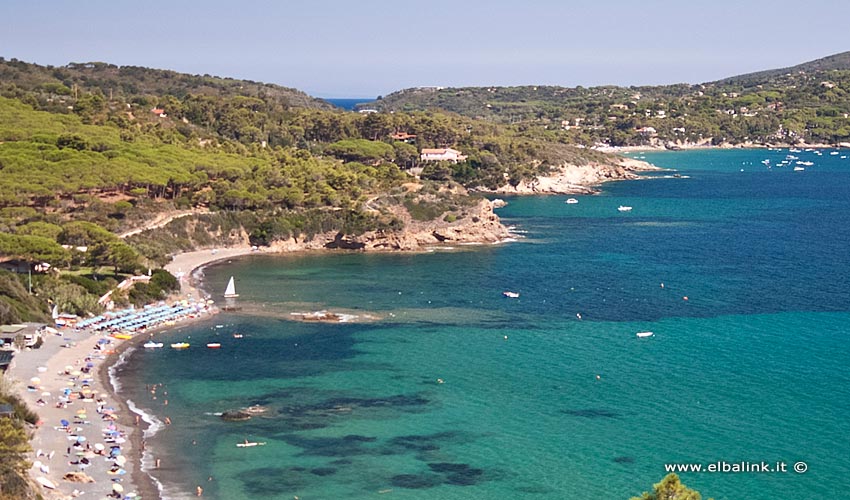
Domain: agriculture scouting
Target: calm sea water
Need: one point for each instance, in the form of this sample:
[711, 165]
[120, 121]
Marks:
[535, 402]
[348, 103]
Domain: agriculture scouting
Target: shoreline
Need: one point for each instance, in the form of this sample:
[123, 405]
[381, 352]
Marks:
[50, 440]
[73, 358]
[133, 421]
[697, 147]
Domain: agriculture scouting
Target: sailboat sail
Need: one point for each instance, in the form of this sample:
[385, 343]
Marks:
[230, 291]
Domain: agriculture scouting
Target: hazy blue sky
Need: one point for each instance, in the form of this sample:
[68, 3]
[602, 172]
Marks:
[335, 48]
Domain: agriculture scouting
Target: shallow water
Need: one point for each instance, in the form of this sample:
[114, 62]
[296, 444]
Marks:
[535, 402]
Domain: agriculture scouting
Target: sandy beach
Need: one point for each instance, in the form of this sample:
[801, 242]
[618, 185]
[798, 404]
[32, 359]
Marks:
[83, 427]
[67, 380]
[184, 265]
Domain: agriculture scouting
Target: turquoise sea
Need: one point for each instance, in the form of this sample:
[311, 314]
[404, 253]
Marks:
[535, 402]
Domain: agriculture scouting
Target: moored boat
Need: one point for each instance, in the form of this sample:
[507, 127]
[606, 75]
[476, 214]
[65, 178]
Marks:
[152, 345]
[571, 201]
[214, 345]
[180, 345]
[511, 295]
[644, 334]
[623, 208]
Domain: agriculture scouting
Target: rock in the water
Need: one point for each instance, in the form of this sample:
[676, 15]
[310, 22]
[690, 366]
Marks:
[235, 416]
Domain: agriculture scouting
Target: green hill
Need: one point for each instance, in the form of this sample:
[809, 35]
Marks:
[809, 102]
[88, 151]
[135, 82]
[835, 62]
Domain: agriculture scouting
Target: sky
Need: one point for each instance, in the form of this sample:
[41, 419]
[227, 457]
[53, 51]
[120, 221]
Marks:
[337, 48]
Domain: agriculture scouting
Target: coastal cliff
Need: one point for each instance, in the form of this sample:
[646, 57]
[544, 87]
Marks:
[576, 179]
[478, 225]
[414, 218]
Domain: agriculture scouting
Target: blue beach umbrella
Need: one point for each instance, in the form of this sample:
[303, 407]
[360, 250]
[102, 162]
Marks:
[64, 423]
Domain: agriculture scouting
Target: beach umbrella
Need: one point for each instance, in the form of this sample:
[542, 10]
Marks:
[42, 369]
[117, 488]
[99, 447]
[81, 439]
[64, 423]
[120, 460]
[35, 380]
[76, 373]
[45, 393]
[81, 410]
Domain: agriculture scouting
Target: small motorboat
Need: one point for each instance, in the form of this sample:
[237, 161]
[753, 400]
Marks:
[214, 345]
[249, 444]
[623, 208]
[237, 335]
[511, 295]
[642, 335]
[180, 345]
[152, 345]
[571, 201]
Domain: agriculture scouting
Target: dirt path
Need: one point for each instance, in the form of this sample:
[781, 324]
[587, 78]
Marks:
[161, 220]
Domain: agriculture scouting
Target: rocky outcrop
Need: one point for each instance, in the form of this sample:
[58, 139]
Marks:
[577, 179]
[478, 226]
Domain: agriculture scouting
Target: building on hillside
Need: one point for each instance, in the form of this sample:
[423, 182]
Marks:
[159, 112]
[442, 154]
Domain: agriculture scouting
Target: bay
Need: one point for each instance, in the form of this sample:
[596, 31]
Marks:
[748, 361]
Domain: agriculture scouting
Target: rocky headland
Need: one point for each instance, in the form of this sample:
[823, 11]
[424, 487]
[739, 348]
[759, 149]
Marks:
[576, 179]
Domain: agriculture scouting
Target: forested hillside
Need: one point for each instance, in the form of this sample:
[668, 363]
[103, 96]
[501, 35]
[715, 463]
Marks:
[88, 151]
[805, 103]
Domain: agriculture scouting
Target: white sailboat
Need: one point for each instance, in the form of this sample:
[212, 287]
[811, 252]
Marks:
[230, 291]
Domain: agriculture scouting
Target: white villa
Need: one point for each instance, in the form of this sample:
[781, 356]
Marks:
[443, 154]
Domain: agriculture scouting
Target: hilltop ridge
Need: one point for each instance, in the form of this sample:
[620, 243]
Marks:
[806, 103]
[127, 82]
[840, 62]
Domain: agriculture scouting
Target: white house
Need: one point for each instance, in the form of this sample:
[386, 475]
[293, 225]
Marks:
[442, 154]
